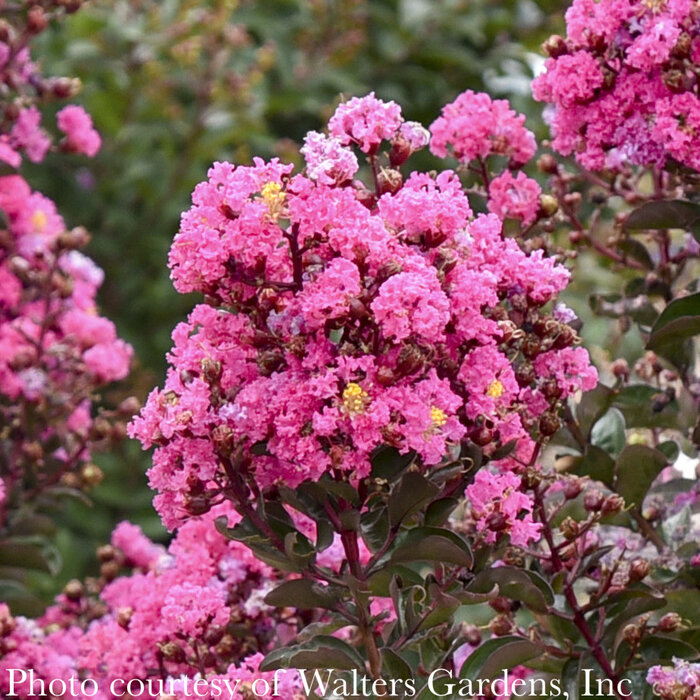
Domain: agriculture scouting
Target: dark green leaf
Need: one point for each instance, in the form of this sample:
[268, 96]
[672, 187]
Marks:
[609, 432]
[679, 321]
[670, 449]
[635, 470]
[595, 463]
[438, 511]
[635, 250]
[322, 651]
[304, 594]
[432, 544]
[637, 402]
[516, 584]
[496, 655]
[670, 214]
[394, 665]
[388, 462]
[593, 405]
[411, 493]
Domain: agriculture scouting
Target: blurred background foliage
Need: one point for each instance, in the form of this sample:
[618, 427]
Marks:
[173, 85]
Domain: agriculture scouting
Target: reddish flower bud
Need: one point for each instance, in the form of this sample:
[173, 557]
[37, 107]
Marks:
[501, 625]
[670, 622]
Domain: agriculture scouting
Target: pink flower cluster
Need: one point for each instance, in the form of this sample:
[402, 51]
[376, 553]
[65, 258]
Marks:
[623, 85]
[682, 680]
[475, 126]
[22, 129]
[195, 607]
[81, 136]
[56, 351]
[336, 323]
[498, 505]
[515, 197]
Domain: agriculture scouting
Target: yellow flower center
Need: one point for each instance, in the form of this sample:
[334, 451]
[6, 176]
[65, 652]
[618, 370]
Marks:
[438, 416]
[355, 398]
[39, 220]
[496, 389]
[273, 197]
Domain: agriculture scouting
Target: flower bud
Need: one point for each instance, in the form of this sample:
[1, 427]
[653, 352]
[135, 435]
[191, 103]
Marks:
[569, 528]
[573, 487]
[483, 435]
[639, 569]
[7, 624]
[32, 451]
[613, 504]
[683, 46]
[555, 46]
[497, 522]
[532, 478]
[74, 239]
[106, 553]
[91, 475]
[548, 206]
[632, 634]
[124, 616]
[196, 504]
[172, 652]
[270, 361]
[525, 375]
[109, 570]
[358, 310]
[621, 369]
[471, 633]
[500, 604]
[593, 501]
[213, 635]
[547, 163]
[5, 31]
[223, 439]
[550, 389]
[226, 646]
[410, 360]
[400, 151]
[70, 6]
[73, 590]
[386, 376]
[676, 81]
[549, 423]
[389, 181]
[36, 20]
[670, 622]
[365, 197]
[565, 338]
[501, 625]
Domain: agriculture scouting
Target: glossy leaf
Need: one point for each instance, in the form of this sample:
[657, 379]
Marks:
[433, 544]
[635, 470]
[322, 651]
[304, 594]
[411, 493]
[669, 214]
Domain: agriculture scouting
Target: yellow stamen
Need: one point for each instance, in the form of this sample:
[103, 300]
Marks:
[355, 398]
[496, 389]
[39, 220]
[273, 197]
[438, 416]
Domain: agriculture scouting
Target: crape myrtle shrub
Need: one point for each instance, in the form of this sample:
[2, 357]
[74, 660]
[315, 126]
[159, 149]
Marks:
[174, 86]
[56, 351]
[353, 437]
